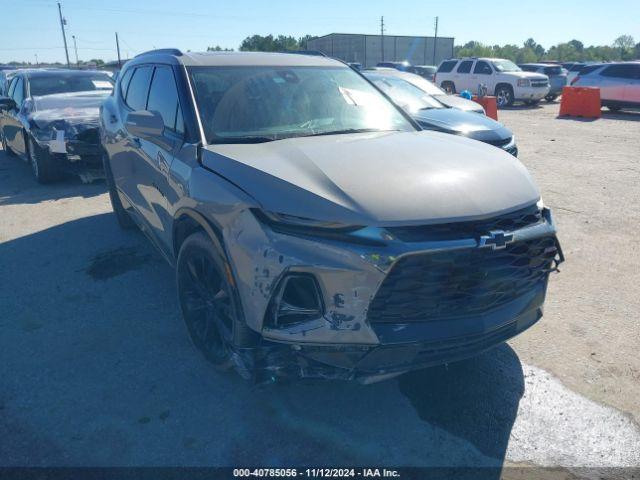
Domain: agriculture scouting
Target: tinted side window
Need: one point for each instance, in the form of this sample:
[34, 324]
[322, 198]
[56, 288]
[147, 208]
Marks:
[12, 86]
[179, 121]
[163, 96]
[465, 67]
[619, 71]
[482, 68]
[446, 67]
[18, 92]
[124, 82]
[589, 69]
[138, 88]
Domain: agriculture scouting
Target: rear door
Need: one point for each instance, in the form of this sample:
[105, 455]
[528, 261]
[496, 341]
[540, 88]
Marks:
[131, 170]
[462, 76]
[12, 125]
[614, 80]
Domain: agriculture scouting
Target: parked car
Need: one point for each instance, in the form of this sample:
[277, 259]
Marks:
[573, 69]
[402, 66]
[619, 83]
[501, 77]
[50, 119]
[355, 65]
[426, 86]
[6, 74]
[428, 72]
[557, 77]
[315, 230]
[430, 114]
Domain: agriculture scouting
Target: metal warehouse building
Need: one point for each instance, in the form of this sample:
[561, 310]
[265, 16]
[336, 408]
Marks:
[368, 49]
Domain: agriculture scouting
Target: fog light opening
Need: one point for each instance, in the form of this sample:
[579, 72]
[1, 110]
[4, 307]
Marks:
[297, 300]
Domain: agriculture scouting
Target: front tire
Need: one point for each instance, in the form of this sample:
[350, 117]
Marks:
[504, 96]
[41, 165]
[123, 218]
[208, 300]
[448, 87]
[551, 98]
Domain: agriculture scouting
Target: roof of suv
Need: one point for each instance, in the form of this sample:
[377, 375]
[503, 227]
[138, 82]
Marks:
[241, 59]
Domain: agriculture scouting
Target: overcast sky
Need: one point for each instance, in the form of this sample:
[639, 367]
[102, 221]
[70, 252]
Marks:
[31, 27]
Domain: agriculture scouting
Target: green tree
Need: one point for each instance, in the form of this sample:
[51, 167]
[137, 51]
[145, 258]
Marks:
[218, 48]
[269, 43]
[626, 45]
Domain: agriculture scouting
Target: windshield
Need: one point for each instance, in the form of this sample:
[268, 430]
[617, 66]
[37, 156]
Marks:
[505, 66]
[422, 83]
[72, 101]
[68, 82]
[404, 94]
[271, 103]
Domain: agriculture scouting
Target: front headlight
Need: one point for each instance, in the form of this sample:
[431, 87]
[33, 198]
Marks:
[540, 204]
[524, 82]
[311, 228]
[283, 219]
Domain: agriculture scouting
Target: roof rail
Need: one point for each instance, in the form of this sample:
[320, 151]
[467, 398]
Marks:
[166, 51]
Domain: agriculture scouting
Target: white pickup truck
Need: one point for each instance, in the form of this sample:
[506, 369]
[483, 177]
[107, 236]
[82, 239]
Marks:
[501, 77]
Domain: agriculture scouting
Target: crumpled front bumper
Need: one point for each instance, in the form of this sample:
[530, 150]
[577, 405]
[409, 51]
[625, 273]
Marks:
[343, 343]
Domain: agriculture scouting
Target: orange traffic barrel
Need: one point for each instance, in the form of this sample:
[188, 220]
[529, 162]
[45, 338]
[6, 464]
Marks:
[489, 104]
[580, 102]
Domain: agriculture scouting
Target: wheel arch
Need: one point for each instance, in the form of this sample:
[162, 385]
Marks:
[504, 84]
[187, 221]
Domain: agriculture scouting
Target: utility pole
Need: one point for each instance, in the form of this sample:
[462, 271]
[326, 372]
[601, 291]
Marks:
[63, 22]
[118, 48]
[382, 37]
[75, 47]
[435, 42]
[36, 60]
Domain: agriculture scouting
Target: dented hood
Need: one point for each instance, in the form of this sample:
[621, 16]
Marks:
[69, 108]
[389, 178]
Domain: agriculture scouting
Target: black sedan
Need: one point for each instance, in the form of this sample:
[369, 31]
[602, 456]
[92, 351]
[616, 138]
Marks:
[50, 119]
[431, 114]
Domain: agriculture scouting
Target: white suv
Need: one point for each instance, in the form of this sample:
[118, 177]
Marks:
[501, 77]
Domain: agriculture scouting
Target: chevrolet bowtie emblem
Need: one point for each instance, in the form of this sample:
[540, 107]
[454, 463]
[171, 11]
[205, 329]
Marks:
[496, 240]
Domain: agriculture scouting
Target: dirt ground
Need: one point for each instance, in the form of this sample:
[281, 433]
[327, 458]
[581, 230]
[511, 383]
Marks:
[589, 173]
[96, 367]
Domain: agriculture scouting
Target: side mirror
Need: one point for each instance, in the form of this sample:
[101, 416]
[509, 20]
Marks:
[145, 124]
[7, 103]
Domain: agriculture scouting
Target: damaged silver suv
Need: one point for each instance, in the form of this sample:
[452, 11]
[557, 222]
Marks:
[315, 230]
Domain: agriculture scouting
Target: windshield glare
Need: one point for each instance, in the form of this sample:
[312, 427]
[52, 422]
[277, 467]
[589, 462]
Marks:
[505, 66]
[404, 94]
[281, 102]
[67, 83]
[423, 84]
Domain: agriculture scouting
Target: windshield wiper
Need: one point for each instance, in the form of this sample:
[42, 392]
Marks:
[247, 139]
[347, 131]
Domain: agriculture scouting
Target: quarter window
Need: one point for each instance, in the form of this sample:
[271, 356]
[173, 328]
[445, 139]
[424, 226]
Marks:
[482, 68]
[163, 96]
[18, 92]
[465, 67]
[124, 82]
[446, 67]
[139, 88]
[12, 86]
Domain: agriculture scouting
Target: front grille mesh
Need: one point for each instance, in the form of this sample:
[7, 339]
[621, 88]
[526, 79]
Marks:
[458, 283]
[509, 222]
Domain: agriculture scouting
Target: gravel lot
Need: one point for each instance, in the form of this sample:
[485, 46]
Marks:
[96, 367]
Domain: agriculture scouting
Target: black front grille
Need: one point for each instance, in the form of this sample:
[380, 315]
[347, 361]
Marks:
[499, 143]
[461, 283]
[450, 231]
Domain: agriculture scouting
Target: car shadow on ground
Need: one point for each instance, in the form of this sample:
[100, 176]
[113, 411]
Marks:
[97, 369]
[18, 186]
